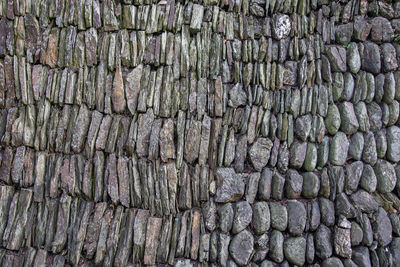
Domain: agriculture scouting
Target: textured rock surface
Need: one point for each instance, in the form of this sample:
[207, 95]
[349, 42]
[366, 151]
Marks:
[205, 133]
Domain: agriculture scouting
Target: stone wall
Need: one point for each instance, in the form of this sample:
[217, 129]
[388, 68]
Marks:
[205, 133]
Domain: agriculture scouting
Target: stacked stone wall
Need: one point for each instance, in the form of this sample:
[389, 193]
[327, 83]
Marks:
[199, 133]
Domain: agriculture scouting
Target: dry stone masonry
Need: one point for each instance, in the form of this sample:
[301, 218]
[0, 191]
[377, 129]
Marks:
[205, 133]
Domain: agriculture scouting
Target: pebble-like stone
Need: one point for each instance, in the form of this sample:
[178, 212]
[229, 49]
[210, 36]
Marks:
[311, 185]
[323, 246]
[393, 143]
[241, 247]
[338, 149]
[295, 250]
[297, 217]
[261, 217]
[382, 228]
[279, 216]
[386, 176]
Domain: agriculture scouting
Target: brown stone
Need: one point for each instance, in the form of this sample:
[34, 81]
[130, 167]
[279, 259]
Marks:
[152, 239]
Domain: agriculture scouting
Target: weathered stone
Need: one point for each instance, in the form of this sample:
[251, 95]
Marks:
[311, 185]
[152, 240]
[259, 153]
[389, 57]
[295, 250]
[332, 119]
[297, 154]
[276, 246]
[293, 184]
[381, 30]
[230, 186]
[225, 213]
[353, 58]
[323, 246]
[364, 201]
[338, 149]
[281, 26]
[393, 143]
[370, 58]
[368, 179]
[132, 88]
[241, 247]
[243, 216]
[261, 217]
[337, 58]
[386, 176]
[297, 217]
[349, 123]
[192, 141]
[382, 228]
[360, 256]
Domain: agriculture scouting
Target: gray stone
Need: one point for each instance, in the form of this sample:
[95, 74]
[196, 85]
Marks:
[356, 234]
[353, 58]
[395, 220]
[243, 216]
[261, 217]
[237, 96]
[323, 246]
[393, 143]
[241, 247]
[332, 262]
[364, 201]
[349, 123]
[297, 154]
[311, 185]
[361, 28]
[279, 216]
[264, 186]
[293, 184]
[344, 33]
[382, 228]
[381, 30]
[353, 176]
[369, 155]
[295, 250]
[303, 126]
[342, 242]
[356, 146]
[281, 26]
[338, 149]
[337, 57]
[389, 57]
[225, 214]
[276, 246]
[368, 179]
[362, 116]
[230, 186]
[361, 257]
[259, 153]
[370, 58]
[327, 208]
[297, 217]
[332, 119]
[395, 249]
[385, 175]
[277, 186]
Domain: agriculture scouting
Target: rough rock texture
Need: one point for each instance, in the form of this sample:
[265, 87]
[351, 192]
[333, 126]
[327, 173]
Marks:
[199, 133]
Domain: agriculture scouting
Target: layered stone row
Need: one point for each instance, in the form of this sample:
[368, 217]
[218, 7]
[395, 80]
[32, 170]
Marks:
[222, 133]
